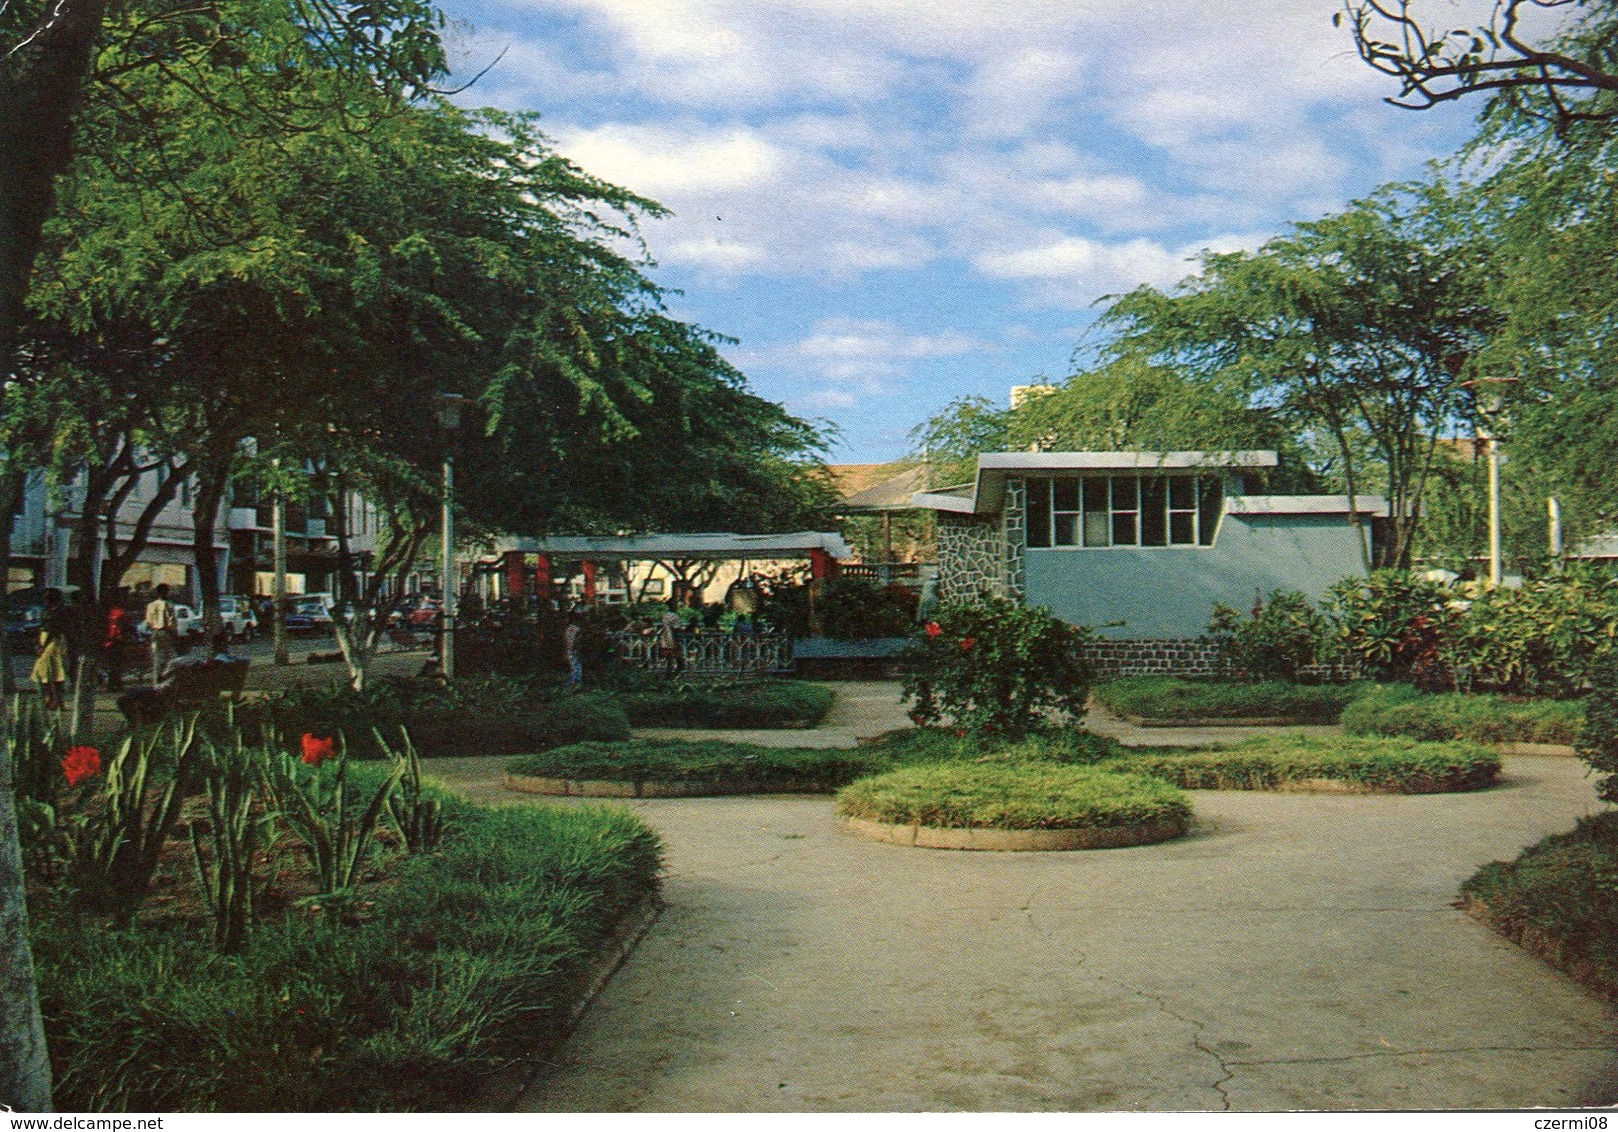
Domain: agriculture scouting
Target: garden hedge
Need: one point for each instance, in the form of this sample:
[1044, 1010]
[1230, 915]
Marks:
[1017, 796]
[710, 766]
[1559, 899]
[757, 704]
[1280, 762]
[1401, 710]
[1170, 698]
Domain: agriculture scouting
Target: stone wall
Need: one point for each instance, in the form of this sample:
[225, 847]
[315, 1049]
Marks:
[1189, 657]
[1015, 537]
[971, 558]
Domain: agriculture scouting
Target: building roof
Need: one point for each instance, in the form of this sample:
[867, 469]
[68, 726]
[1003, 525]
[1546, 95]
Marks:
[994, 468]
[890, 494]
[640, 548]
[1373, 505]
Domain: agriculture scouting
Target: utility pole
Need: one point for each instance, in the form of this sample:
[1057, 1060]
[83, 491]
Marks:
[449, 418]
[1494, 511]
[1554, 507]
[278, 537]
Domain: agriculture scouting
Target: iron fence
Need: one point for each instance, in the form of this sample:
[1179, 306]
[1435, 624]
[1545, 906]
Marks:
[705, 655]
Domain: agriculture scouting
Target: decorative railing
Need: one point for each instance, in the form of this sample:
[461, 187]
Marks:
[706, 655]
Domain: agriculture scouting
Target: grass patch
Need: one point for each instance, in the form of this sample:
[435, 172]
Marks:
[920, 745]
[1559, 899]
[1036, 795]
[454, 963]
[722, 765]
[757, 704]
[1273, 762]
[1167, 697]
[1400, 710]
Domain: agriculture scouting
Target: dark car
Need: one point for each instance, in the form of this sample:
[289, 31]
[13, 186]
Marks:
[22, 627]
[309, 615]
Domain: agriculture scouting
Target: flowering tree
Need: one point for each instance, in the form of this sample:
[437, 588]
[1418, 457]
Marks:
[997, 668]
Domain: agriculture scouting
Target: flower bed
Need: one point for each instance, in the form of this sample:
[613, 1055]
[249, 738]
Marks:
[1401, 710]
[1165, 699]
[675, 767]
[1559, 899]
[949, 800]
[1303, 762]
[759, 704]
[443, 968]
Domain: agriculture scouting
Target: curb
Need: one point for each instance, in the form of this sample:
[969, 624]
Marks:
[1018, 840]
[612, 788]
[508, 1086]
[1226, 721]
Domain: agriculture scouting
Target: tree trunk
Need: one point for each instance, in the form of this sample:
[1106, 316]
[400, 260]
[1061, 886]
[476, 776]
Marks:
[211, 487]
[25, 1067]
[41, 86]
[11, 500]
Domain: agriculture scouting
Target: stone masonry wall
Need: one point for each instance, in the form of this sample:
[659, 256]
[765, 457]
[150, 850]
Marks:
[971, 558]
[1015, 540]
[1110, 660]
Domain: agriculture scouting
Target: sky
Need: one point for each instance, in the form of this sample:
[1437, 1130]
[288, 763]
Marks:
[892, 204]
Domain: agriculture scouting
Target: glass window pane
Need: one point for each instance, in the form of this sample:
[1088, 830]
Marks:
[1182, 528]
[1154, 529]
[1095, 494]
[1067, 530]
[1039, 513]
[1067, 495]
[1125, 493]
[1182, 493]
[1097, 529]
[1123, 528]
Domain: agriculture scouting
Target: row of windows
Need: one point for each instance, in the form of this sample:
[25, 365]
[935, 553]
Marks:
[1124, 511]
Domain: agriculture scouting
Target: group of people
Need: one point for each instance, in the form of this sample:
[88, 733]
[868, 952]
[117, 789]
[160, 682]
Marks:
[71, 632]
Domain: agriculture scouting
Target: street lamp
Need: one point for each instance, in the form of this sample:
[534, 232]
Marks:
[1491, 417]
[449, 419]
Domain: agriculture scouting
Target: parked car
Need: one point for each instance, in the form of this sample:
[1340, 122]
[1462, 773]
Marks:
[188, 625]
[239, 619]
[22, 627]
[309, 615]
[424, 613]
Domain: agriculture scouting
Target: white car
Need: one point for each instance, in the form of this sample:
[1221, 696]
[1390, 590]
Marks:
[187, 622]
[239, 619]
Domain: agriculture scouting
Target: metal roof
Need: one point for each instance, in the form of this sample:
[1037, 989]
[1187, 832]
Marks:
[637, 548]
[994, 468]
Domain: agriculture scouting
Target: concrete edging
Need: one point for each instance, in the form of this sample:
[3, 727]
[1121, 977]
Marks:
[1224, 721]
[614, 788]
[1018, 840]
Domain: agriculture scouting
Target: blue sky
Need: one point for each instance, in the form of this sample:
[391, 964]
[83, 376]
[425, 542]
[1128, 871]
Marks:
[894, 203]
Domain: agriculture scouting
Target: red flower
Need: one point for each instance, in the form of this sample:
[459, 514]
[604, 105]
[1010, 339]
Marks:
[967, 643]
[934, 629]
[81, 763]
[960, 733]
[317, 751]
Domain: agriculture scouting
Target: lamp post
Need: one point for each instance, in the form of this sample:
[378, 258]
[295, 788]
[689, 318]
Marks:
[1490, 419]
[278, 551]
[449, 418]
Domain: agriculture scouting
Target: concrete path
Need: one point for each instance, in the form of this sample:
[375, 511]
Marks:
[1295, 952]
[862, 710]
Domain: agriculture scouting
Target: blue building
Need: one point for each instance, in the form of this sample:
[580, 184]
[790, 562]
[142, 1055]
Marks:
[1140, 545]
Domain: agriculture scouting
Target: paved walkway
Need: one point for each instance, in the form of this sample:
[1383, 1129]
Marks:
[1295, 952]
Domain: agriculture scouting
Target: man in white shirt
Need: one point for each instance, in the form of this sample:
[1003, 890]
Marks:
[165, 641]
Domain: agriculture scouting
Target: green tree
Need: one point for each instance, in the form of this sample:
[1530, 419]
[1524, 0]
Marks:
[1362, 327]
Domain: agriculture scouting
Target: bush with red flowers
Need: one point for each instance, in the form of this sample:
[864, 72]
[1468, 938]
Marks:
[80, 764]
[997, 668]
[318, 750]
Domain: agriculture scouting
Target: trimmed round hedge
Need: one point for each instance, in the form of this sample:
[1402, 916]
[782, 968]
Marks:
[1016, 796]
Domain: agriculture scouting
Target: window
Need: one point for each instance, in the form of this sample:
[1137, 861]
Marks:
[1123, 510]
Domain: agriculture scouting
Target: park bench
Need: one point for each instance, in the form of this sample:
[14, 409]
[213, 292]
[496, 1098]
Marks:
[189, 686]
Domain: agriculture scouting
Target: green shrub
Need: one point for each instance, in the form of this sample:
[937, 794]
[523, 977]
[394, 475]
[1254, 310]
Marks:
[1398, 627]
[1167, 697]
[1035, 795]
[1401, 710]
[727, 766]
[756, 704]
[1541, 639]
[1270, 762]
[463, 962]
[997, 668]
[1282, 636]
[1559, 899]
[1597, 743]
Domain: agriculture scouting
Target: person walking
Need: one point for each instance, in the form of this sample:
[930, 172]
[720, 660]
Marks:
[115, 644]
[165, 639]
[50, 667]
[668, 642]
[570, 642]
